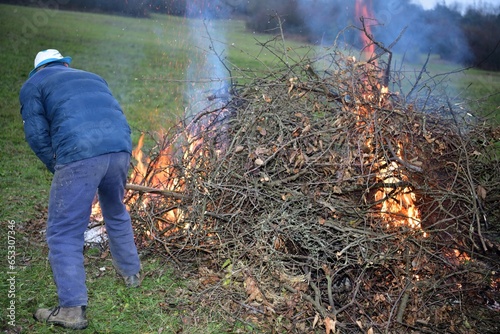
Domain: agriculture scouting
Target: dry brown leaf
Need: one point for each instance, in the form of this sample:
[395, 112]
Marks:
[291, 80]
[330, 325]
[261, 130]
[481, 192]
[104, 254]
[417, 163]
[301, 158]
[208, 276]
[306, 128]
[286, 196]
[258, 162]
[252, 290]
[316, 319]
[209, 279]
[370, 331]
[296, 132]
[238, 149]
[429, 138]
[301, 327]
[278, 243]
[262, 150]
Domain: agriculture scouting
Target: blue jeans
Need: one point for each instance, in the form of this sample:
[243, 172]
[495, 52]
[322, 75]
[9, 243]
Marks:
[73, 189]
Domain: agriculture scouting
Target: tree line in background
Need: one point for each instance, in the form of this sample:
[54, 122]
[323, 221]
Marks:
[467, 35]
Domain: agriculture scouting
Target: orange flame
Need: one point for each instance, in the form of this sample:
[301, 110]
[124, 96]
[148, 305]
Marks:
[398, 206]
[363, 10]
[159, 174]
[163, 175]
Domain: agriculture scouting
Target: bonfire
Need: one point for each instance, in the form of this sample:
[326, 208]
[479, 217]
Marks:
[317, 199]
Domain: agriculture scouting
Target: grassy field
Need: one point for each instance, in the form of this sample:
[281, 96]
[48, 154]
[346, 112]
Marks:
[479, 90]
[146, 62]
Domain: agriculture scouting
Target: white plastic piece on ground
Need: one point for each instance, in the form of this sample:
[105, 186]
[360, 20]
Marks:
[96, 235]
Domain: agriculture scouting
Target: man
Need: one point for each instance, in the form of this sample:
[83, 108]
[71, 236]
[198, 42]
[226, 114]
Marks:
[77, 129]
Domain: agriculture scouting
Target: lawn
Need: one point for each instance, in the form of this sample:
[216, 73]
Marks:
[480, 90]
[147, 63]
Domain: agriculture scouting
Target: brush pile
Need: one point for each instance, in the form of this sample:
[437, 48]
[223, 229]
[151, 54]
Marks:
[318, 200]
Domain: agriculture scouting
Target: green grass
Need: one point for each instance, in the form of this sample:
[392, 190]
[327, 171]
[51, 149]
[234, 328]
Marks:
[145, 62]
[479, 90]
[482, 89]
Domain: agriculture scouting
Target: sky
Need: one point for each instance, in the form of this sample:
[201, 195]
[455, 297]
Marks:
[429, 4]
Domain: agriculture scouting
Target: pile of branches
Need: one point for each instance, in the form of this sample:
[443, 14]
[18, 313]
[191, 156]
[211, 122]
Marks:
[281, 193]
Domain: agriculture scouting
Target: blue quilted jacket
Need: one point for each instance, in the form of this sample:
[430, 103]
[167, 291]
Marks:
[70, 115]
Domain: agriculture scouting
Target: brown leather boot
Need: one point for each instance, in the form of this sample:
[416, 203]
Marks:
[67, 317]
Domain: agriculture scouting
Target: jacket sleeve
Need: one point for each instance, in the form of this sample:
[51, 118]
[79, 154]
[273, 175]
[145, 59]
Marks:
[36, 125]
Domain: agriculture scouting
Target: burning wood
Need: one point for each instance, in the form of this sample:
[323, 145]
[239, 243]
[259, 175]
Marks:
[150, 190]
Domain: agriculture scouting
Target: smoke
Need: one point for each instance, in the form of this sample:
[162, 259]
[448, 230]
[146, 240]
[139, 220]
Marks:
[325, 18]
[435, 31]
[207, 9]
[417, 32]
[206, 74]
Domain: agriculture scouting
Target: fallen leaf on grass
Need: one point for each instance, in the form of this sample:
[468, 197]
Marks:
[104, 254]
